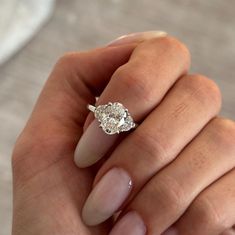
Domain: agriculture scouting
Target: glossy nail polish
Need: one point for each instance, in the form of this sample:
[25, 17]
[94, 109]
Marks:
[107, 196]
[93, 145]
[130, 224]
[137, 37]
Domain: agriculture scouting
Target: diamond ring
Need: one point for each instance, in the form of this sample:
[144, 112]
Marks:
[113, 117]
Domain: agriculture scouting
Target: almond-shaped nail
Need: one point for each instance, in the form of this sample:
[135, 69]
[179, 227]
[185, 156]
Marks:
[130, 224]
[93, 145]
[137, 37]
[107, 196]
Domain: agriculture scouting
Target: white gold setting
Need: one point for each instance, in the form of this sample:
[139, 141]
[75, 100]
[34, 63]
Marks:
[113, 117]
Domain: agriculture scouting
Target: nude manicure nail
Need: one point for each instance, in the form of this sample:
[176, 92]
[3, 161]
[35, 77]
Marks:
[130, 224]
[107, 196]
[137, 37]
[93, 145]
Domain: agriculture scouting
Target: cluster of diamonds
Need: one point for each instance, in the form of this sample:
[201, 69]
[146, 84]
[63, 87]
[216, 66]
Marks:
[114, 118]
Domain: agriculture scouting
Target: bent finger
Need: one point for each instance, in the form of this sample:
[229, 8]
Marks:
[139, 85]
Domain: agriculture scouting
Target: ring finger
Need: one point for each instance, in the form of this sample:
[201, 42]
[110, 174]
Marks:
[139, 85]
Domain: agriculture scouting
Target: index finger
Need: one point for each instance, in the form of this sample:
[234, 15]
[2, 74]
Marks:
[57, 119]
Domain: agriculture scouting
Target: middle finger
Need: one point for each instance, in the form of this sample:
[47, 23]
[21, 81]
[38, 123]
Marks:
[139, 85]
[190, 104]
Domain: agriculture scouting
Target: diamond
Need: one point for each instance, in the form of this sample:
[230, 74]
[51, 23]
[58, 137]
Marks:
[114, 118]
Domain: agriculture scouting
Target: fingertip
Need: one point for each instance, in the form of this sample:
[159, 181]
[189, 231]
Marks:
[136, 37]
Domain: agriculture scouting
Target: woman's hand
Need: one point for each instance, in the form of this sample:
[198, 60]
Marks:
[179, 160]
[49, 190]
[175, 169]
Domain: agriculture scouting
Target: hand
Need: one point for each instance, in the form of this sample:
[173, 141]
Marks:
[180, 159]
[50, 191]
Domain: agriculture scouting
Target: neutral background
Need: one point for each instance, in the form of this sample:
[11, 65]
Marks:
[207, 27]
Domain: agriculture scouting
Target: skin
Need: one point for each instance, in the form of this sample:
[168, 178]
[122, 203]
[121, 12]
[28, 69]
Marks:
[50, 190]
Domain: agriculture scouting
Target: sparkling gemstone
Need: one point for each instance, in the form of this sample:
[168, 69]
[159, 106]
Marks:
[114, 118]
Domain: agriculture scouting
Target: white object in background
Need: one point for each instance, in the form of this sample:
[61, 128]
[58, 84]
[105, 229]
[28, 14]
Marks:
[19, 21]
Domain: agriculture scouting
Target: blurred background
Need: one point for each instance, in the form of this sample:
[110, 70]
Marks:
[33, 34]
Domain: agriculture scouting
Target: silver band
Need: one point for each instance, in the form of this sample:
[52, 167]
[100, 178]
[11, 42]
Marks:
[91, 107]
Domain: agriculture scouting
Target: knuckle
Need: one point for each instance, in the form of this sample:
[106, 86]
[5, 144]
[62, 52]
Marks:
[21, 159]
[15, 156]
[68, 71]
[132, 77]
[177, 47]
[172, 193]
[151, 146]
[175, 43]
[223, 132]
[206, 212]
[67, 60]
[22, 146]
[206, 90]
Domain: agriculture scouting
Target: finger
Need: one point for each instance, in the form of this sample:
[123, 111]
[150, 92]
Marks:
[162, 135]
[175, 125]
[61, 108]
[127, 39]
[229, 232]
[130, 38]
[212, 212]
[139, 85]
[170, 192]
[43, 167]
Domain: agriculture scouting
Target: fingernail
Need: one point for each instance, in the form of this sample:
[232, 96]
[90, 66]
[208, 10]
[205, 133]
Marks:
[107, 196]
[171, 231]
[130, 224]
[137, 37]
[93, 145]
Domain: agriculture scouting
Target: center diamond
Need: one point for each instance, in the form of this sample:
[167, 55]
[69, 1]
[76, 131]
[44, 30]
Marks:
[114, 118]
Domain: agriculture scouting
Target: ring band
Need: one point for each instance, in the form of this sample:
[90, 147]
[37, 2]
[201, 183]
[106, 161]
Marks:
[91, 107]
[113, 117]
